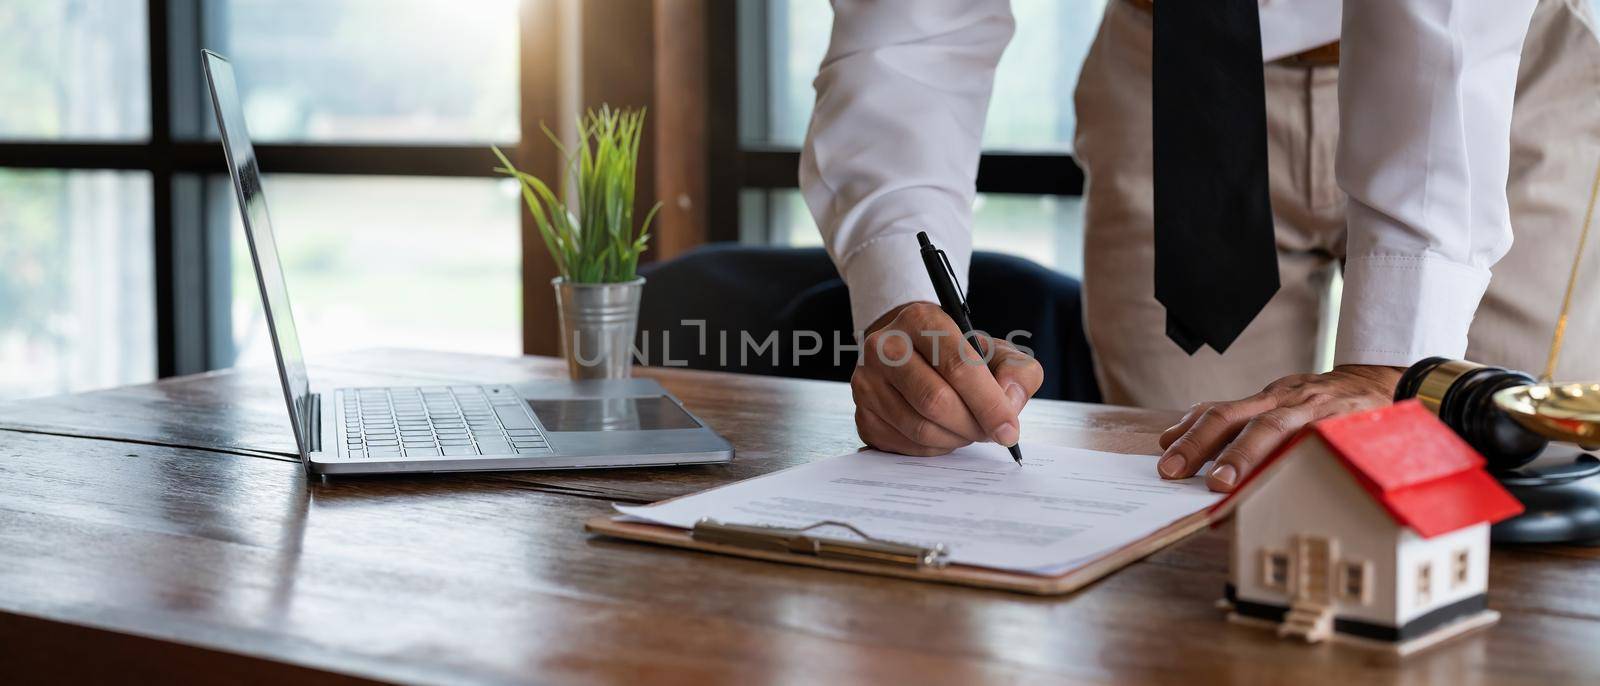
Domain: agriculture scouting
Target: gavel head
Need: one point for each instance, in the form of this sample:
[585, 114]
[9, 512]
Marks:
[1461, 393]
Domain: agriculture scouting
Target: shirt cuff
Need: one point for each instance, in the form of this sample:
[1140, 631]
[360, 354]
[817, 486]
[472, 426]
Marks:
[1397, 310]
[888, 272]
[1296, 26]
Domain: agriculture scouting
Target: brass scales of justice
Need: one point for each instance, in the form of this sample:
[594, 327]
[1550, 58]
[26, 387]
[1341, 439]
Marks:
[1568, 412]
[1536, 434]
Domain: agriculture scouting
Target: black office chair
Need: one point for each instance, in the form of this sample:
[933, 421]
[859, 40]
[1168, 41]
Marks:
[745, 295]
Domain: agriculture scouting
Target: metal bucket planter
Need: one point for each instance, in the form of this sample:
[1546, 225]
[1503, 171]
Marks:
[598, 321]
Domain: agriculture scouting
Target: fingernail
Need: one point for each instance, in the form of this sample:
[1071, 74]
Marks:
[1017, 395]
[1170, 466]
[1006, 435]
[1225, 475]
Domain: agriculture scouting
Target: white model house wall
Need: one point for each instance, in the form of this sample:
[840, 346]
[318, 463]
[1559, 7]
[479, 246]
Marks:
[1308, 492]
[1448, 580]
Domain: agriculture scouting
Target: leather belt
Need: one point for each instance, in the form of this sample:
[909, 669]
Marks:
[1320, 56]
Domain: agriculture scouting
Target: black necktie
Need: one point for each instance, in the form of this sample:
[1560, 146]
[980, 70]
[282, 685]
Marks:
[1216, 262]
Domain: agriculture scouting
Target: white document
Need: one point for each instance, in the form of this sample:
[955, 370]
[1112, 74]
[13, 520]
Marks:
[1062, 508]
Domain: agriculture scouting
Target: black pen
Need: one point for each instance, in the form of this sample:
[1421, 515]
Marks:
[951, 300]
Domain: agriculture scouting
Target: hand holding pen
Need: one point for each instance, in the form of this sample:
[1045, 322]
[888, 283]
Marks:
[922, 389]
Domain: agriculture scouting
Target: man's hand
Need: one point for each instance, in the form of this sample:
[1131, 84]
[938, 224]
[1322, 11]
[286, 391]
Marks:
[1240, 434]
[922, 389]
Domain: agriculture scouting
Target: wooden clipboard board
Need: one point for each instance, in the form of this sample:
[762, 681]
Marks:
[964, 575]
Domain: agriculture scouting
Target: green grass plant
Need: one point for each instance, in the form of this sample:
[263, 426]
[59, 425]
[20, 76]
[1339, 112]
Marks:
[596, 241]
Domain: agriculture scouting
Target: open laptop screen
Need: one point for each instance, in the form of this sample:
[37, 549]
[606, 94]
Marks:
[263, 248]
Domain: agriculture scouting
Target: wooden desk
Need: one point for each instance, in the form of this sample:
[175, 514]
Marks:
[122, 556]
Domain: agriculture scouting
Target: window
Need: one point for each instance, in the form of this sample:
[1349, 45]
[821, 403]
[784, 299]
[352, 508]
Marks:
[781, 44]
[313, 70]
[77, 296]
[120, 253]
[1461, 571]
[341, 238]
[1353, 582]
[74, 70]
[1040, 66]
[1424, 584]
[1275, 570]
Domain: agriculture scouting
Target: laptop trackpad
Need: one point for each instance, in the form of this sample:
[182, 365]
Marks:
[612, 414]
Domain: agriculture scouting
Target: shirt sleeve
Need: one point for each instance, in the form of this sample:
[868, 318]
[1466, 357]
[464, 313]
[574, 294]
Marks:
[1425, 95]
[895, 137]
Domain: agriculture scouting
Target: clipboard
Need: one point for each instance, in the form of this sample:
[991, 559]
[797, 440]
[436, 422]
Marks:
[751, 546]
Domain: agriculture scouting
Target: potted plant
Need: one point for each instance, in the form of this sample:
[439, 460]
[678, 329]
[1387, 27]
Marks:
[595, 245]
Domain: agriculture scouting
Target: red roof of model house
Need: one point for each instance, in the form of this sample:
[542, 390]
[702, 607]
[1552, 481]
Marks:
[1421, 473]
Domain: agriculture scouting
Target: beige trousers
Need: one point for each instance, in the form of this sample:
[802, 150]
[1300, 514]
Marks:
[1555, 147]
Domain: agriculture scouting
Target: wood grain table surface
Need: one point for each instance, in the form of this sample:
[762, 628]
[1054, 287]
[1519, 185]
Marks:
[167, 532]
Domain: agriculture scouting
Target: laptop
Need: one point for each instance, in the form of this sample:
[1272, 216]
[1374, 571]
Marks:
[447, 427]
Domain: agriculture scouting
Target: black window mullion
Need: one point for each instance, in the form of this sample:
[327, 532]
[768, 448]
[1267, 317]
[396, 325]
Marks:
[187, 301]
[470, 159]
[202, 298]
[168, 284]
[724, 116]
[998, 172]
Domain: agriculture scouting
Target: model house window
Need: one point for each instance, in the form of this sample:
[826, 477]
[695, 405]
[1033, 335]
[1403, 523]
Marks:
[1275, 570]
[1353, 581]
[1424, 583]
[1459, 578]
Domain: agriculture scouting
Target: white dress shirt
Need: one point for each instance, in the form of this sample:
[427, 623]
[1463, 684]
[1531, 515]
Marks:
[1425, 95]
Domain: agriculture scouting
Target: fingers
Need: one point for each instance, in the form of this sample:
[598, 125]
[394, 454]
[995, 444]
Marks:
[886, 402]
[903, 404]
[926, 392]
[921, 378]
[1256, 440]
[876, 432]
[1243, 433]
[1173, 432]
[1212, 428]
[1018, 374]
[1267, 431]
[962, 367]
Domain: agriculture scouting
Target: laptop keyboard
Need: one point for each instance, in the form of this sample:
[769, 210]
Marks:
[433, 421]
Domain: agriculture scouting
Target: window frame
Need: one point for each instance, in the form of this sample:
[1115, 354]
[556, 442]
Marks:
[191, 280]
[1277, 568]
[1460, 567]
[1424, 583]
[1359, 572]
[736, 166]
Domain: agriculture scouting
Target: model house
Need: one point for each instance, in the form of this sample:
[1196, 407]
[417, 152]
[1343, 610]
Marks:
[1371, 527]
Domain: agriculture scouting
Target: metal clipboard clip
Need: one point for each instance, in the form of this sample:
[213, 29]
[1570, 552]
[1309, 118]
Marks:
[798, 542]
